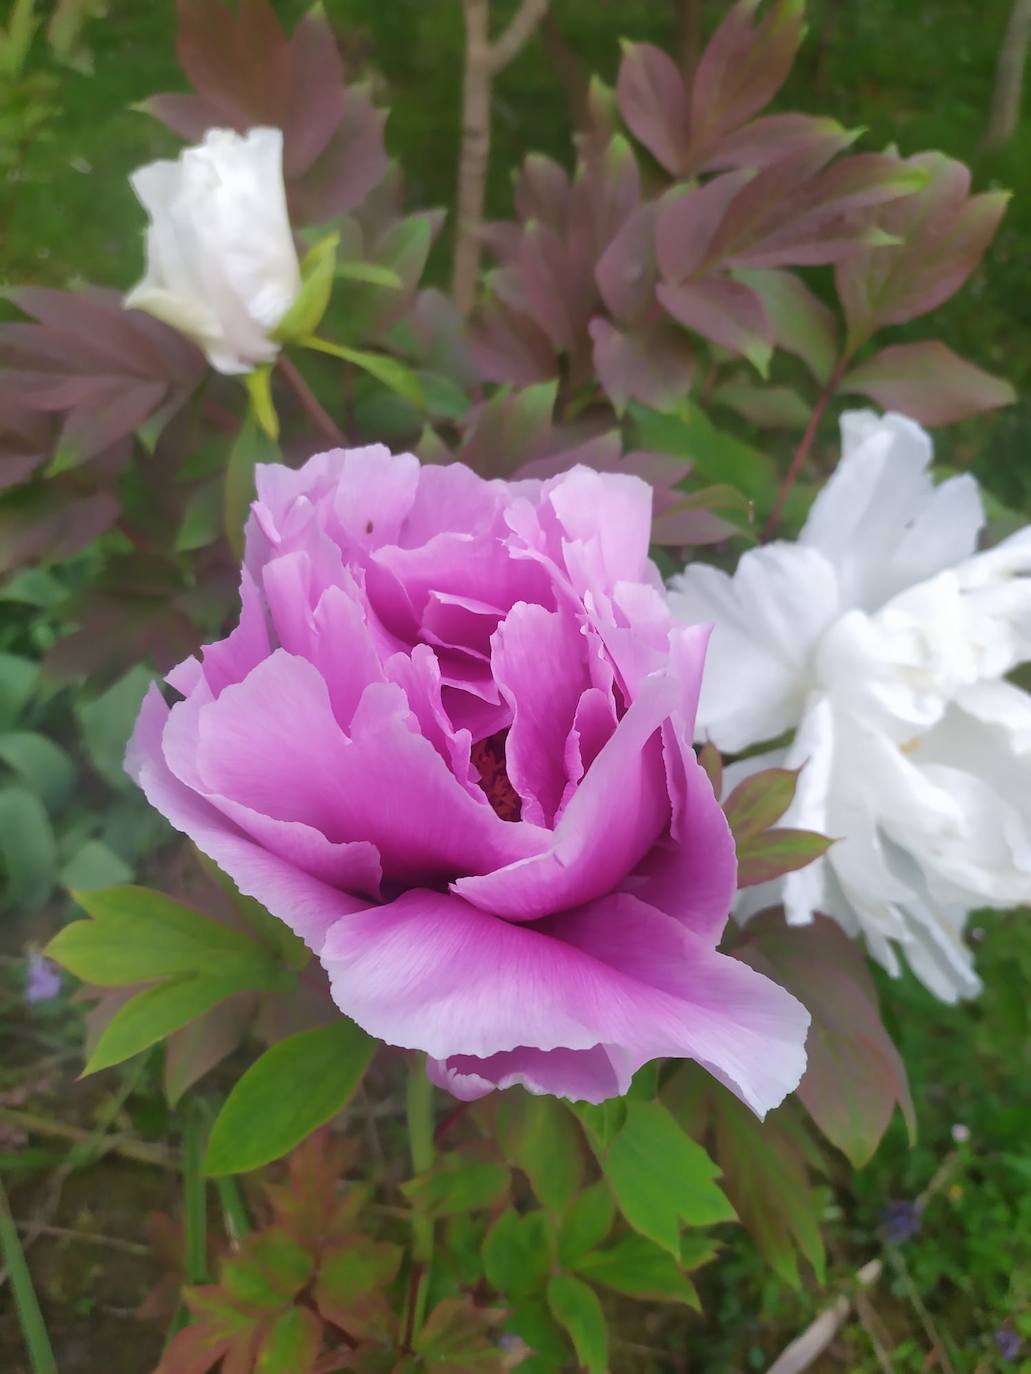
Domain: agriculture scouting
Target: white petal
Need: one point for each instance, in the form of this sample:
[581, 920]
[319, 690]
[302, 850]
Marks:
[768, 619]
[880, 519]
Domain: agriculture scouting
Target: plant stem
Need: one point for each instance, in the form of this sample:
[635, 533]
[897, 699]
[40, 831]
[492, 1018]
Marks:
[310, 403]
[805, 444]
[30, 1318]
[419, 1103]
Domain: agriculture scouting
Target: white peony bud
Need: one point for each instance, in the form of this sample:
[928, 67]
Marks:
[221, 262]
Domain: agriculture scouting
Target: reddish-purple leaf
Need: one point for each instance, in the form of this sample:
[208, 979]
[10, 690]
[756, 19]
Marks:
[315, 96]
[352, 162]
[654, 102]
[742, 68]
[802, 324]
[48, 521]
[237, 59]
[194, 1350]
[192, 1052]
[944, 234]
[25, 443]
[762, 405]
[759, 802]
[855, 1076]
[726, 312]
[772, 137]
[688, 224]
[651, 363]
[928, 382]
[542, 192]
[507, 346]
[772, 853]
[627, 269]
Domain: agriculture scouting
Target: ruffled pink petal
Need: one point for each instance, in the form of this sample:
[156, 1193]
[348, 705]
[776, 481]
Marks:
[273, 744]
[307, 905]
[539, 665]
[580, 1075]
[431, 972]
[619, 811]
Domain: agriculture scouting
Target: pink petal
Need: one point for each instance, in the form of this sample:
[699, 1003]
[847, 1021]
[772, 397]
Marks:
[431, 972]
[307, 905]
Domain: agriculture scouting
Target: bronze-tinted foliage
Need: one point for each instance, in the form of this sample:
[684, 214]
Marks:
[639, 283]
[248, 72]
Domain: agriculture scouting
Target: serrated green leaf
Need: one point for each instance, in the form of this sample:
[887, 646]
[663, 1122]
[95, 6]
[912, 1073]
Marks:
[517, 1253]
[292, 1343]
[157, 1011]
[541, 1138]
[295, 1087]
[587, 1223]
[576, 1307]
[660, 1176]
[137, 935]
[270, 1269]
[639, 1268]
[456, 1185]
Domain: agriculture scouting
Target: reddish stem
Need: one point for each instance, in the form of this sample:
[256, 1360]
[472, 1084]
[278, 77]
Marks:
[448, 1121]
[806, 443]
[320, 417]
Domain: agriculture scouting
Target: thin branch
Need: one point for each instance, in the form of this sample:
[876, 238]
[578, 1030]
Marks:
[139, 1150]
[507, 47]
[1009, 76]
[130, 1247]
[483, 60]
[309, 401]
[802, 452]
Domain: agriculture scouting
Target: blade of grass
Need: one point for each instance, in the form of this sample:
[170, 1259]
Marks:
[37, 1342]
[195, 1208]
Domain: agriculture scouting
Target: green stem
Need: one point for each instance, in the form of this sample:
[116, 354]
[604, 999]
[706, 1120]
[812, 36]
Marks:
[37, 1342]
[419, 1103]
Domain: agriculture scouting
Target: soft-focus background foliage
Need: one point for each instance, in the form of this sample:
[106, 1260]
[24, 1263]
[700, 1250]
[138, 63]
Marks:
[958, 1272]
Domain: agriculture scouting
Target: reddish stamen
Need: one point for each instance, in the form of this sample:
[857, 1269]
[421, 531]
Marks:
[488, 758]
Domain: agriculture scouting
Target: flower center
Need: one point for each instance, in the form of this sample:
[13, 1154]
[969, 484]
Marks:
[488, 758]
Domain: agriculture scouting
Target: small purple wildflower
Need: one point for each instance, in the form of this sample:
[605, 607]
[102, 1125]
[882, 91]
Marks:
[901, 1220]
[1009, 1342]
[42, 982]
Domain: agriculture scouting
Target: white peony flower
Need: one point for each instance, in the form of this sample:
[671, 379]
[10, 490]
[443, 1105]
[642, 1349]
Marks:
[221, 263]
[882, 639]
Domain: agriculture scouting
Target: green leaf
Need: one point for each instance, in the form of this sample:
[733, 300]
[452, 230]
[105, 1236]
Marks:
[372, 272]
[389, 371]
[309, 305]
[106, 723]
[289, 948]
[660, 1176]
[759, 801]
[772, 853]
[541, 1138]
[717, 456]
[28, 850]
[94, 865]
[269, 1271]
[455, 1185]
[586, 1224]
[576, 1307]
[157, 1011]
[18, 678]
[295, 1087]
[517, 1253]
[456, 1339]
[202, 519]
[639, 1268]
[262, 406]
[137, 935]
[292, 1343]
[360, 1266]
[41, 764]
[252, 445]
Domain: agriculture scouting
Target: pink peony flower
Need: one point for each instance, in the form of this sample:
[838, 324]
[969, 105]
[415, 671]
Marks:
[449, 744]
